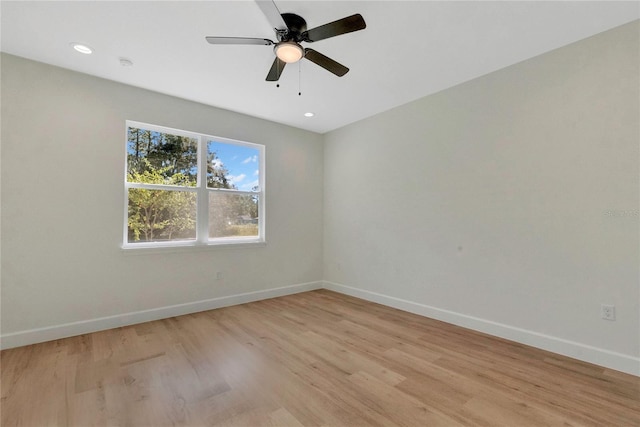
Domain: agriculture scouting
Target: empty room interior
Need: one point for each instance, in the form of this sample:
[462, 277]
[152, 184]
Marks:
[320, 213]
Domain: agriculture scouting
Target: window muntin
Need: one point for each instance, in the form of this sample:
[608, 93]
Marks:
[184, 189]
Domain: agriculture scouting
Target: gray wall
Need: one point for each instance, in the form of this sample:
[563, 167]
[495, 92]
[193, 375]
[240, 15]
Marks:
[512, 198]
[63, 136]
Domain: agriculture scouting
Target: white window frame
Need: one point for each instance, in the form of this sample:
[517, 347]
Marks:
[202, 192]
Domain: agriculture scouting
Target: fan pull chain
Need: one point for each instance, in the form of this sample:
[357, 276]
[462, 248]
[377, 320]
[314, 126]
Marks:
[299, 77]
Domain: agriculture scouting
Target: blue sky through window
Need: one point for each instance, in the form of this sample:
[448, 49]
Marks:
[242, 163]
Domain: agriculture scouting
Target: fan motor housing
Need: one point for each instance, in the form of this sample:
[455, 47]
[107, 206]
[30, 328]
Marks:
[296, 24]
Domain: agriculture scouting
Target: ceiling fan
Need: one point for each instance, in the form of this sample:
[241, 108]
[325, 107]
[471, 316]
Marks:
[291, 31]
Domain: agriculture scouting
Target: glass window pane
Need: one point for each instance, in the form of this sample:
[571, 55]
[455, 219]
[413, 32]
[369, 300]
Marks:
[232, 215]
[161, 215]
[232, 166]
[161, 158]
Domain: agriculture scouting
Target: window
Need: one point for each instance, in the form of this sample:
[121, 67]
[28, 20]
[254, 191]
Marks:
[188, 189]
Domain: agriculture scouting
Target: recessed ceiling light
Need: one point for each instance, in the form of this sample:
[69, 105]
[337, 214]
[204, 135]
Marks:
[309, 114]
[126, 62]
[82, 48]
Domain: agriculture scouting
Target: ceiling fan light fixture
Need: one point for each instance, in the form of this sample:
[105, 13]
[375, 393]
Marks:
[289, 52]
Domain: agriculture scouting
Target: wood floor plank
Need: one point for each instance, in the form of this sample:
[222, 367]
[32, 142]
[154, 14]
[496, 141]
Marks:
[312, 359]
[400, 407]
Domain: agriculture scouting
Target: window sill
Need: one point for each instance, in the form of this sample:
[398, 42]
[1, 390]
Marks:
[150, 248]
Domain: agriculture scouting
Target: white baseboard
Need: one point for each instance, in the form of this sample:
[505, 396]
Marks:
[598, 356]
[586, 353]
[33, 336]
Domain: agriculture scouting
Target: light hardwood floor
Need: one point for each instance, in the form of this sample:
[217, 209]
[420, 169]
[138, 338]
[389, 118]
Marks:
[313, 359]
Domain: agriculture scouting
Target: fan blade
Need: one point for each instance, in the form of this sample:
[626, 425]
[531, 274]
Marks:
[341, 26]
[325, 62]
[272, 13]
[239, 40]
[276, 70]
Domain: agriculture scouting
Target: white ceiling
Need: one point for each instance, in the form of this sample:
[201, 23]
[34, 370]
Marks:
[408, 50]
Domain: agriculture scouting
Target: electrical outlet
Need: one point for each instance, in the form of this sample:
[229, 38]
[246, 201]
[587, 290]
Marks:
[219, 275]
[608, 312]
